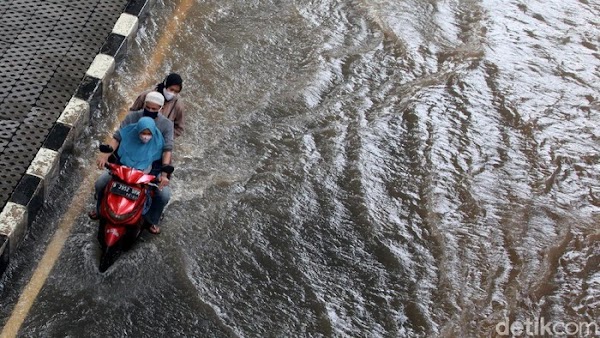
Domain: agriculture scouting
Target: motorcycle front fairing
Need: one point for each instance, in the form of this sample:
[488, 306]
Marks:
[130, 175]
[113, 233]
[125, 195]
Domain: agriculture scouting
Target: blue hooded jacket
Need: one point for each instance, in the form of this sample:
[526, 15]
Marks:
[135, 153]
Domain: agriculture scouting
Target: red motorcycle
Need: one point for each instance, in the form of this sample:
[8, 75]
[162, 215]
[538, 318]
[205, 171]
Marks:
[124, 201]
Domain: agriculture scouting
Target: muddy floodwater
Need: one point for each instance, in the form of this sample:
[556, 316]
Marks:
[351, 169]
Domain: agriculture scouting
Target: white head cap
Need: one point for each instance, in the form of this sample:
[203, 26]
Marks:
[155, 97]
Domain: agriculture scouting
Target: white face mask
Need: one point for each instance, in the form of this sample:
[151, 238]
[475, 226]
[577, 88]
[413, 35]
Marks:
[168, 95]
[145, 138]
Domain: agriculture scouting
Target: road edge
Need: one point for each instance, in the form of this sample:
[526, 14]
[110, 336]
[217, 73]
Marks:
[33, 189]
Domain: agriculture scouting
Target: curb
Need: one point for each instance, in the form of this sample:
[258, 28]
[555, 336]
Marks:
[32, 190]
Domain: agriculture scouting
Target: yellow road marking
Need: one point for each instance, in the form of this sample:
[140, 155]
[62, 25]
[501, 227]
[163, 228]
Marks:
[77, 204]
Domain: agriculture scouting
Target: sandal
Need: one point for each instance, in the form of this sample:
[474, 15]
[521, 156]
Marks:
[93, 215]
[154, 229]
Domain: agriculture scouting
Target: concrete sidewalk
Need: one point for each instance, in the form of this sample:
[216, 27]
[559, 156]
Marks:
[55, 58]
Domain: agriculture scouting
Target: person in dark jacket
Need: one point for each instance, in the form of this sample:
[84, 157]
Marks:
[173, 107]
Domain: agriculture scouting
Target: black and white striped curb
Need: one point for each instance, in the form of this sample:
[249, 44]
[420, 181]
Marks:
[33, 190]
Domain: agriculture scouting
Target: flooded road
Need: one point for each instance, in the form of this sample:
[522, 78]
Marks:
[351, 168]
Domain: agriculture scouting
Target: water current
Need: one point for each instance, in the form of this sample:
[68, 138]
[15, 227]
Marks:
[353, 168]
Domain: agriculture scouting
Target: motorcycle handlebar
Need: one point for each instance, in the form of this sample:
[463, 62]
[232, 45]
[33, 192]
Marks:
[152, 183]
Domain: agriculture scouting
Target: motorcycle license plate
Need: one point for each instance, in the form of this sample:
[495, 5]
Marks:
[124, 190]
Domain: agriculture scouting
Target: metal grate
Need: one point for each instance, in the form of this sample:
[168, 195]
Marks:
[13, 23]
[8, 128]
[45, 48]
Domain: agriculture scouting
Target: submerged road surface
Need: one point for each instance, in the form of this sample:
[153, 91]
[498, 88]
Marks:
[349, 168]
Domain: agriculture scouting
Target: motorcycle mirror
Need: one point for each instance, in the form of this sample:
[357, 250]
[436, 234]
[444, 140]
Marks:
[169, 169]
[105, 148]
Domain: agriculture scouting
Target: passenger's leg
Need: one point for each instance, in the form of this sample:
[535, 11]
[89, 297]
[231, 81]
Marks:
[159, 202]
[101, 182]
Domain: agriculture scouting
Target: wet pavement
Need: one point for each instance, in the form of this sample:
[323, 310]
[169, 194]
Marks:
[349, 169]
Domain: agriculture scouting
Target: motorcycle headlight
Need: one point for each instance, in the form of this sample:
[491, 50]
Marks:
[120, 217]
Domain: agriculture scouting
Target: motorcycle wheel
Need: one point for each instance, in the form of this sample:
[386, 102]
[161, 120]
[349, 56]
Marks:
[100, 235]
[109, 256]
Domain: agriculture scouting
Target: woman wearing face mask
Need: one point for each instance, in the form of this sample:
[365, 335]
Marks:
[141, 144]
[173, 107]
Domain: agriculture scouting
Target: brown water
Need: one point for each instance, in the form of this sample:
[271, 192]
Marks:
[358, 168]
